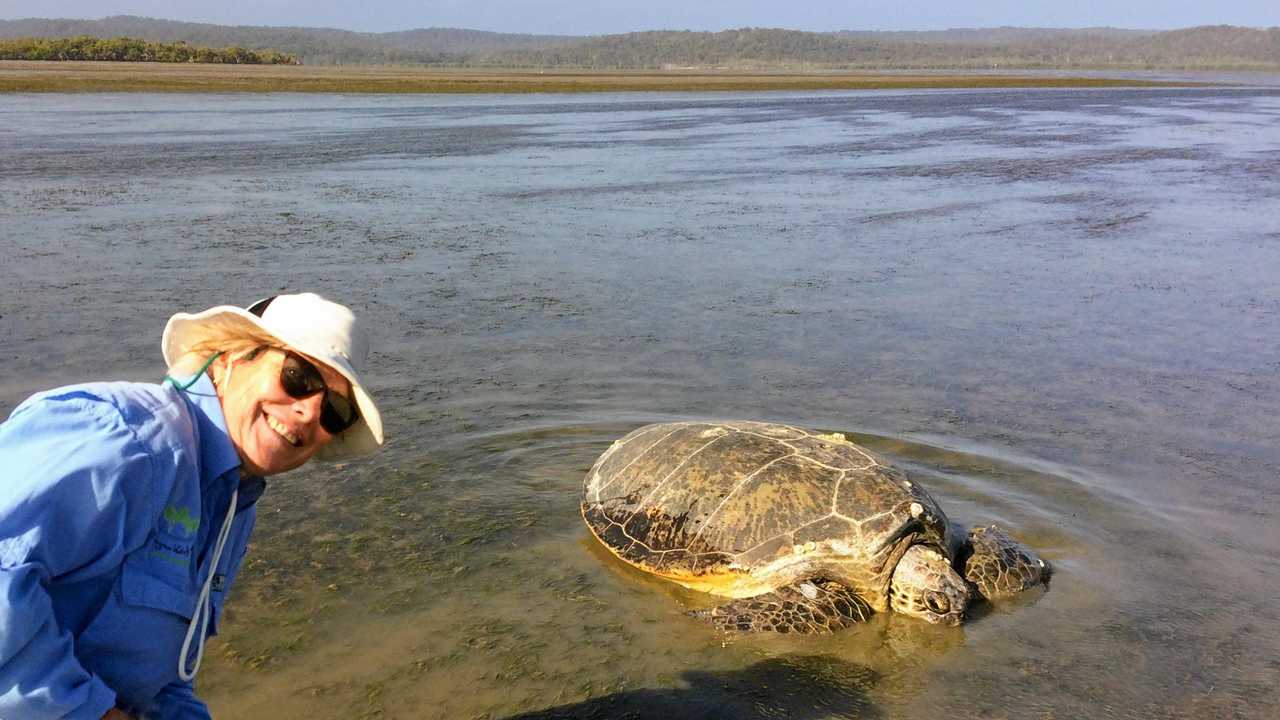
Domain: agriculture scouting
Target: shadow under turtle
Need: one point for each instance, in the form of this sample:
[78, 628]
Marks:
[792, 686]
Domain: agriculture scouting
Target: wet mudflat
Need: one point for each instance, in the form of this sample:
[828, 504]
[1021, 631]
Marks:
[110, 77]
[1057, 309]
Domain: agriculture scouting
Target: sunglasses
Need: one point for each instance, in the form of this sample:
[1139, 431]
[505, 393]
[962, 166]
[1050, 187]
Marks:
[300, 379]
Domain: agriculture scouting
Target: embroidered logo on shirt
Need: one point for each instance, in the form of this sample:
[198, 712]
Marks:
[176, 555]
[180, 520]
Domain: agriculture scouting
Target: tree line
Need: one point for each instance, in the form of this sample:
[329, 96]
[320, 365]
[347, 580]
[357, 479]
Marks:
[124, 49]
[1207, 47]
[1218, 47]
[313, 46]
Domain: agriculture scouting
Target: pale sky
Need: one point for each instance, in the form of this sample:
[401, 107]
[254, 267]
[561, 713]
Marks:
[594, 17]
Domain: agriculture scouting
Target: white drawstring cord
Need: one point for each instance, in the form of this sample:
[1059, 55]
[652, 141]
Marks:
[201, 611]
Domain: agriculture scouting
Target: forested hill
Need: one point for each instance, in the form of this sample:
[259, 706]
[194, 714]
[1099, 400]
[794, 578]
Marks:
[1216, 47]
[313, 46]
[1209, 47]
[994, 36]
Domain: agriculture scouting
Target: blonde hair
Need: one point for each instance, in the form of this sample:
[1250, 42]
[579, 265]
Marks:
[197, 357]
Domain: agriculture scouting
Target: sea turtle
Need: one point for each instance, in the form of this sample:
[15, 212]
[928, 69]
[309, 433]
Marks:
[806, 532]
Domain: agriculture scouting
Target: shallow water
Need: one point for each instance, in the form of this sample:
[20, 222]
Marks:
[1057, 309]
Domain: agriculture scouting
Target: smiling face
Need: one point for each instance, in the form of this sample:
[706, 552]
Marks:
[271, 431]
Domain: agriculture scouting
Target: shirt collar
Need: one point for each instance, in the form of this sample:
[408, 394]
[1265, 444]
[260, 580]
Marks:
[217, 455]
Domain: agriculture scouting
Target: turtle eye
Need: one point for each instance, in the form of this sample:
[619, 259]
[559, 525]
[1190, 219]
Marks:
[937, 603]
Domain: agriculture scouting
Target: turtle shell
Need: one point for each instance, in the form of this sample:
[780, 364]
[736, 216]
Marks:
[742, 508]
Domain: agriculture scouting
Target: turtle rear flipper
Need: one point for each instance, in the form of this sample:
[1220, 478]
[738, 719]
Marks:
[999, 566]
[808, 607]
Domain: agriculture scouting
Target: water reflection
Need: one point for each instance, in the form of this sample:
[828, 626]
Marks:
[1057, 310]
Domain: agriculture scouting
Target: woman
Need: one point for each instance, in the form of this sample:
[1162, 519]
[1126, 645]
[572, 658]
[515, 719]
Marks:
[125, 508]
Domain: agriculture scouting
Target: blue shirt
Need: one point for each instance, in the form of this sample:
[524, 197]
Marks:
[111, 499]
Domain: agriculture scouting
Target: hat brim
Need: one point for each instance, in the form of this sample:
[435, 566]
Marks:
[187, 331]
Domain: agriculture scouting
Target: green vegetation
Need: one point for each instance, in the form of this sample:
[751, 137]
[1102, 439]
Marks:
[1206, 48]
[313, 46]
[755, 48]
[124, 49]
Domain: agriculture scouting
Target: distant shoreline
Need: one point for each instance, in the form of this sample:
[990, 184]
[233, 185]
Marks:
[23, 76]
[1220, 48]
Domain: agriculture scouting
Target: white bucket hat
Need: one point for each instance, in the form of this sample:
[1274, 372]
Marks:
[318, 328]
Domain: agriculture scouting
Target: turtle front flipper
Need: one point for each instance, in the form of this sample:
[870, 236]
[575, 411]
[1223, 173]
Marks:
[999, 566]
[808, 607]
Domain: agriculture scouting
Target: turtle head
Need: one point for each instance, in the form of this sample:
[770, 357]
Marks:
[925, 586]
